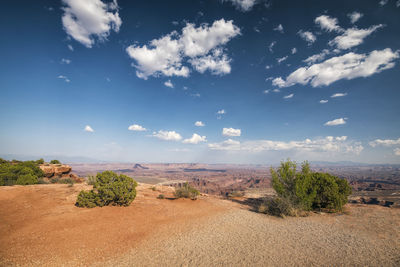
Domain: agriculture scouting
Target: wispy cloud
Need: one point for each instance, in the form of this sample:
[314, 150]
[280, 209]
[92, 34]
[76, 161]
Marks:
[271, 46]
[279, 28]
[353, 37]
[307, 36]
[335, 122]
[62, 77]
[328, 23]
[322, 101]
[65, 61]
[288, 96]
[355, 16]
[338, 95]
[169, 84]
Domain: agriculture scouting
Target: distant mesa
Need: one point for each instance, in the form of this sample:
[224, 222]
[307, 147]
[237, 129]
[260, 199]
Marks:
[138, 166]
[202, 170]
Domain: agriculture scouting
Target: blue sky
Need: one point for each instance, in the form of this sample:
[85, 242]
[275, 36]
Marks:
[264, 80]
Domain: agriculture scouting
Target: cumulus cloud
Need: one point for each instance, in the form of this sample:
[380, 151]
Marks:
[328, 23]
[307, 36]
[294, 50]
[384, 142]
[169, 84]
[327, 144]
[279, 28]
[338, 95]
[221, 112]
[335, 122]
[271, 46]
[288, 96]
[355, 16]
[317, 57]
[231, 132]
[87, 20]
[62, 77]
[199, 124]
[195, 139]
[347, 66]
[167, 135]
[323, 101]
[242, 5]
[281, 59]
[199, 46]
[88, 129]
[217, 63]
[136, 127]
[353, 37]
[65, 61]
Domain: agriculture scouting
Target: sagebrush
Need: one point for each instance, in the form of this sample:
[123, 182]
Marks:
[186, 191]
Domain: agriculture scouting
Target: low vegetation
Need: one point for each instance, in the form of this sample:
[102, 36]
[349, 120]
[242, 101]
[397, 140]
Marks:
[20, 172]
[186, 191]
[55, 161]
[299, 192]
[109, 189]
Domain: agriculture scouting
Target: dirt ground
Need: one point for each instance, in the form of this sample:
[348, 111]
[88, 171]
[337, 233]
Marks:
[40, 226]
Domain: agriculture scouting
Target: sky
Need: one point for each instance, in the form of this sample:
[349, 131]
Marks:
[212, 81]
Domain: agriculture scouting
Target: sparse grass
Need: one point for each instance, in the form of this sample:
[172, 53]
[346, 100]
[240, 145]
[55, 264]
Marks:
[236, 194]
[186, 191]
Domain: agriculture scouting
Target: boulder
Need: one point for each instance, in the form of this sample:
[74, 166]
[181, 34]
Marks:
[55, 170]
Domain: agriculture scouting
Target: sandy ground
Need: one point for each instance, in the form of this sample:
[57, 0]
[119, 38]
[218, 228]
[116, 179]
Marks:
[40, 226]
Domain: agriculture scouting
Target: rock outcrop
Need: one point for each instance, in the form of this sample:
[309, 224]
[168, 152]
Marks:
[60, 171]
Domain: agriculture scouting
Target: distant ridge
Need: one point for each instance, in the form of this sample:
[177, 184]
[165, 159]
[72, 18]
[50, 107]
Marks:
[138, 166]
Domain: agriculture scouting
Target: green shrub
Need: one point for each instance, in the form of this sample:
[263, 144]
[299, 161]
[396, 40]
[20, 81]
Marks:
[278, 206]
[109, 188]
[186, 191]
[19, 172]
[27, 179]
[161, 196]
[39, 161]
[91, 179]
[307, 190]
[55, 161]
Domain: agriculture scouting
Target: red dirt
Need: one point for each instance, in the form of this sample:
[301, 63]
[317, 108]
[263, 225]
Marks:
[40, 224]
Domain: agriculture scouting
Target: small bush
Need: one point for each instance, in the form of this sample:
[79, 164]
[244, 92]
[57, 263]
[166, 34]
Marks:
[91, 179]
[109, 188]
[236, 194]
[161, 196]
[186, 191]
[306, 190]
[27, 179]
[66, 181]
[55, 161]
[280, 207]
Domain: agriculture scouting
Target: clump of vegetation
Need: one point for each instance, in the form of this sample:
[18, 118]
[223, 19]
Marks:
[234, 194]
[186, 191]
[305, 191]
[108, 189]
[55, 161]
[20, 172]
[91, 179]
[161, 196]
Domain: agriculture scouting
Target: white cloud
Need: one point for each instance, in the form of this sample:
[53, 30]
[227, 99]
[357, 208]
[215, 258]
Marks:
[317, 57]
[294, 50]
[136, 127]
[222, 111]
[307, 36]
[70, 47]
[355, 16]
[167, 135]
[65, 61]
[353, 37]
[397, 150]
[217, 63]
[288, 96]
[327, 23]
[231, 132]
[266, 91]
[385, 142]
[338, 95]
[397, 5]
[348, 66]
[276, 90]
[242, 5]
[169, 84]
[201, 47]
[281, 59]
[88, 129]
[327, 144]
[195, 139]
[279, 28]
[199, 124]
[63, 78]
[271, 46]
[335, 122]
[383, 2]
[322, 101]
[267, 67]
[86, 20]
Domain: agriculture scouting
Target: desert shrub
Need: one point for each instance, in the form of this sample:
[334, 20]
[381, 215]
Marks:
[66, 181]
[307, 190]
[39, 161]
[278, 206]
[19, 172]
[109, 188]
[236, 194]
[42, 181]
[186, 191]
[161, 196]
[55, 161]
